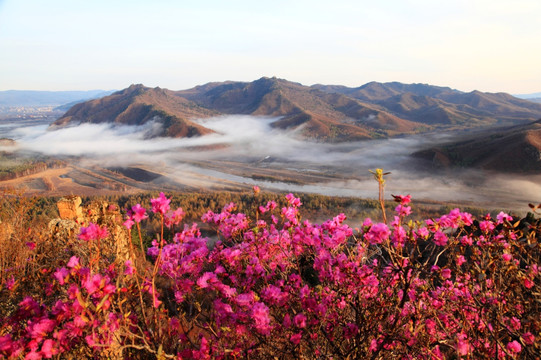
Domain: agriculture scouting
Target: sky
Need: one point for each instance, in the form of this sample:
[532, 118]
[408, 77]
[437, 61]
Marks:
[486, 45]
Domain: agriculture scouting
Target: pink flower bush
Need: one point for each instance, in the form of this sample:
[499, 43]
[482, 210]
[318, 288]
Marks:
[277, 286]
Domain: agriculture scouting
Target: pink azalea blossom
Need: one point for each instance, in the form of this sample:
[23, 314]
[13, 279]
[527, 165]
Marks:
[138, 213]
[61, 275]
[73, 262]
[403, 200]
[296, 338]
[377, 234]
[293, 201]
[514, 347]
[529, 338]
[463, 346]
[174, 217]
[160, 204]
[129, 268]
[501, 217]
[440, 238]
[260, 315]
[528, 283]
[129, 223]
[93, 232]
[486, 226]
[402, 210]
[446, 273]
[300, 320]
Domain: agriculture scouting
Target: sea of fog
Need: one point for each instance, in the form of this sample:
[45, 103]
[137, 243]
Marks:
[251, 140]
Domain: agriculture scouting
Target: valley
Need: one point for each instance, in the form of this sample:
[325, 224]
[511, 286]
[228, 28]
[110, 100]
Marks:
[284, 137]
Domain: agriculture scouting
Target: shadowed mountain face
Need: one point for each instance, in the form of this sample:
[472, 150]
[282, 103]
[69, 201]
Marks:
[513, 149]
[324, 113]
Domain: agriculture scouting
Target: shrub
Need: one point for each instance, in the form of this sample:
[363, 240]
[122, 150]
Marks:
[273, 285]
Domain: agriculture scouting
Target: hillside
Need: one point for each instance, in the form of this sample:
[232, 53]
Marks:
[430, 104]
[514, 149]
[321, 112]
[138, 105]
[331, 117]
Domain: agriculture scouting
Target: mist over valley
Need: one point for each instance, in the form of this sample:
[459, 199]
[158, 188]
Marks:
[284, 136]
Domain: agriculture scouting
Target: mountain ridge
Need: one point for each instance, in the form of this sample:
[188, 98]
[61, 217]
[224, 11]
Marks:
[330, 113]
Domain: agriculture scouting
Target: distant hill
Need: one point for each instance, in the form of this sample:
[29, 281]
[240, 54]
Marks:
[442, 105]
[138, 105]
[47, 98]
[321, 112]
[530, 96]
[513, 149]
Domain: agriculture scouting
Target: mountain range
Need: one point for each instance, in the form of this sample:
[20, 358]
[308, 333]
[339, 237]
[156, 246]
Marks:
[322, 112]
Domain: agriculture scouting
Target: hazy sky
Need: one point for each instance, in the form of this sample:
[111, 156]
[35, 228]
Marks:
[489, 45]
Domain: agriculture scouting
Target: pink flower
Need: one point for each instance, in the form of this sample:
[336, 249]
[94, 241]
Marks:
[129, 223]
[367, 222]
[10, 283]
[501, 217]
[422, 232]
[287, 321]
[296, 338]
[460, 260]
[300, 320]
[466, 240]
[463, 346]
[528, 283]
[529, 338]
[377, 233]
[174, 217]
[507, 257]
[256, 189]
[41, 328]
[446, 273]
[93, 232]
[48, 349]
[138, 213]
[203, 281]
[130, 269]
[73, 262]
[486, 226]
[31, 245]
[403, 210]
[293, 201]
[160, 204]
[403, 200]
[260, 314]
[514, 347]
[61, 275]
[440, 238]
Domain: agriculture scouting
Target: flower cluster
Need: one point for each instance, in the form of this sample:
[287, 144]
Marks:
[280, 287]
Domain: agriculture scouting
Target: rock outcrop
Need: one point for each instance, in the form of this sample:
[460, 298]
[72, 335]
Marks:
[73, 216]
